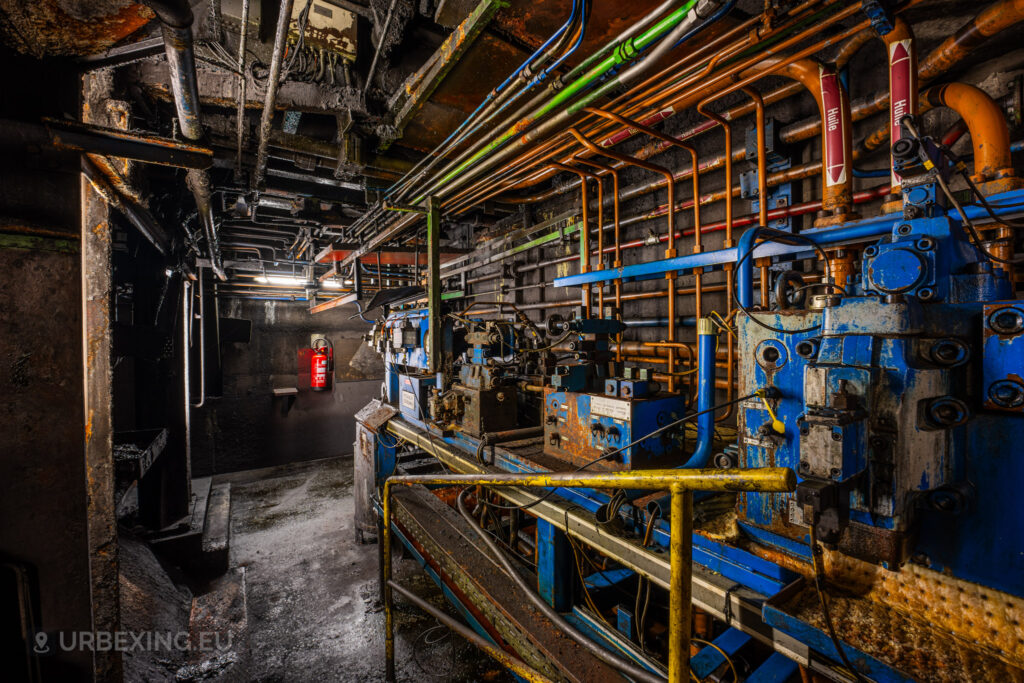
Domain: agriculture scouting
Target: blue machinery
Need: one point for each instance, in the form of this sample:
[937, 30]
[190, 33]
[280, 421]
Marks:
[900, 405]
[896, 396]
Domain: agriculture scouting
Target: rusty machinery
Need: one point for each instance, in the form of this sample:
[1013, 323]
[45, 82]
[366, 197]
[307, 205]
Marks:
[880, 362]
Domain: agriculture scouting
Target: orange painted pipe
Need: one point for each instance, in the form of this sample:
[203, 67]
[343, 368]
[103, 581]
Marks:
[822, 81]
[990, 134]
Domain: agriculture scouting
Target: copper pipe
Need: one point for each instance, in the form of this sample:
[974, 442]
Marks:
[836, 131]
[670, 219]
[669, 140]
[600, 231]
[995, 18]
[670, 252]
[584, 234]
[617, 263]
[762, 162]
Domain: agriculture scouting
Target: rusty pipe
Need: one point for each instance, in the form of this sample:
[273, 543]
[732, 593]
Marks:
[284, 18]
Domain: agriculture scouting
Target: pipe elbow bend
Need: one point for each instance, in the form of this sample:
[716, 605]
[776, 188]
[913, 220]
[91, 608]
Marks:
[989, 131]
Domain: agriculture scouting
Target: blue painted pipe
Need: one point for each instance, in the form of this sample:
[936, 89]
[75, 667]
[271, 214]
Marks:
[686, 321]
[745, 274]
[705, 393]
[857, 231]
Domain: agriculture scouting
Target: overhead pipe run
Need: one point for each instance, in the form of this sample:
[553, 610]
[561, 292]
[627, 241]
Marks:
[176, 25]
[273, 82]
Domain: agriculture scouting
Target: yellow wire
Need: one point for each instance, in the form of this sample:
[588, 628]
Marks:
[721, 322]
[583, 581]
[728, 660]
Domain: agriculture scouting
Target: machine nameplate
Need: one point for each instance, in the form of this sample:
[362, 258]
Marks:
[609, 407]
[408, 401]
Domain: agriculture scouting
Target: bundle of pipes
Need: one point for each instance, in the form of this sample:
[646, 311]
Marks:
[538, 141]
[899, 43]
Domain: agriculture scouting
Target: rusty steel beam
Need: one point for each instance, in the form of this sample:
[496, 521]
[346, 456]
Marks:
[334, 303]
[136, 214]
[420, 85]
[100, 528]
[84, 137]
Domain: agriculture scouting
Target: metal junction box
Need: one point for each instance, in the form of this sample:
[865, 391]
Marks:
[580, 427]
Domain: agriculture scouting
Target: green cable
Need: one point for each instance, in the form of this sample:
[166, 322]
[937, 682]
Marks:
[622, 53]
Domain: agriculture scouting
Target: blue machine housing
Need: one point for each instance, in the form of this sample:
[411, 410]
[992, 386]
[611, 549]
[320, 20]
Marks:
[580, 427]
[888, 400]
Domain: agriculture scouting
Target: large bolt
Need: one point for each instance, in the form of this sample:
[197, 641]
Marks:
[949, 352]
[1006, 393]
[1007, 321]
[948, 411]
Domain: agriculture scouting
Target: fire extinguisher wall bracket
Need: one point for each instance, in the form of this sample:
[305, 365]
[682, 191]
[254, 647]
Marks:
[321, 371]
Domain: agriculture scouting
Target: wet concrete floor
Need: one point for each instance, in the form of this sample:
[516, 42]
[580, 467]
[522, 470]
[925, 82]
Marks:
[312, 593]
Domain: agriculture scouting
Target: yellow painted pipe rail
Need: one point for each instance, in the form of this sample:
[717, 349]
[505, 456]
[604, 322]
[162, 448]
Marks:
[680, 482]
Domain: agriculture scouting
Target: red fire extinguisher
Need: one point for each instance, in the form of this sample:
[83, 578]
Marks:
[321, 365]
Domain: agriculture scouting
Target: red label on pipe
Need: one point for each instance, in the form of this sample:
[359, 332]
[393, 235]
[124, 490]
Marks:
[901, 85]
[836, 163]
[630, 132]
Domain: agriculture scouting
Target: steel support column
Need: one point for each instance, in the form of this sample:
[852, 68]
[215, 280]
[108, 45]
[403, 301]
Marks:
[554, 566]
[434, 283]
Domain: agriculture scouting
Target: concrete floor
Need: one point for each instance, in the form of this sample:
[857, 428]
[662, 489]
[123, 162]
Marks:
[313, 612]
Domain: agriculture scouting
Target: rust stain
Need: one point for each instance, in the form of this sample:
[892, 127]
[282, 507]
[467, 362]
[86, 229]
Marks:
[44, 28]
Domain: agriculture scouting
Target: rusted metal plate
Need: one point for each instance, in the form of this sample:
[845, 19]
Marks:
[443, 538]
[44, 28]
[375, 413]
[421, 84]
[912, 646]
[83, 137]
[395, 256]
[513, 34]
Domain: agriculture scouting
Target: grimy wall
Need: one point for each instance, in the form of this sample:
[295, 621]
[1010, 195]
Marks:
[247, 427]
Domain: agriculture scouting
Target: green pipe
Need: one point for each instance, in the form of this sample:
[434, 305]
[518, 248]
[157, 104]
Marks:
[624, 52]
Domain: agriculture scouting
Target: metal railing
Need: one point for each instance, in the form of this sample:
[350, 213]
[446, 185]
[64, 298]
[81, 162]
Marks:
[679, 482]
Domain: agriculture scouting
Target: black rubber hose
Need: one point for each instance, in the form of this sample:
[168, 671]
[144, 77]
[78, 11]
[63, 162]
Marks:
[782, 290]
[626, 667]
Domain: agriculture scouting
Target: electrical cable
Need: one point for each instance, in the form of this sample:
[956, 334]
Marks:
[611, 659]
[907, 122]
[816, 553]
[778, 236]
[609, 454]
[728, 659]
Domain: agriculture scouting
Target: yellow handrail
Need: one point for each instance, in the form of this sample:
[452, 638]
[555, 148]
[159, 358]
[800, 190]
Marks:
[679, 482]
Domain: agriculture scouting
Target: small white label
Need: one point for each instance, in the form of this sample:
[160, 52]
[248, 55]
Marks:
[408, 401]
[796, 514]
[609, 407]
